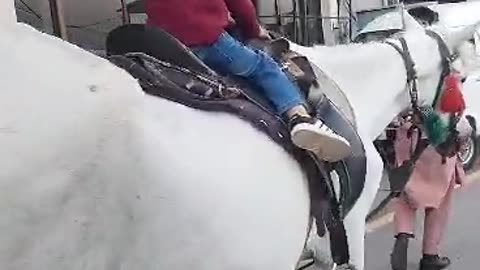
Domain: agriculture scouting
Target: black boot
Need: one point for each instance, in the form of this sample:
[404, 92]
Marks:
[398, 258]
[434, 262]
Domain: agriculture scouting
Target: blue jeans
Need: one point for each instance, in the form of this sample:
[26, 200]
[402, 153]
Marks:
[229, 55]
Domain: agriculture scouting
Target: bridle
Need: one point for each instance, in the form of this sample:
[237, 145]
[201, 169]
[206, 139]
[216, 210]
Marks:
[447, 58]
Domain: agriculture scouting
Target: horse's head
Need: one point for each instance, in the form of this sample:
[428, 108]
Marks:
[458, 41]
[434, 65]
[431, 50]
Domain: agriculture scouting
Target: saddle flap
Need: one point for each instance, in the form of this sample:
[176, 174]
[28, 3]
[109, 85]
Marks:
[279, 46]
[329, 88]
[303, 63]
[352, 170]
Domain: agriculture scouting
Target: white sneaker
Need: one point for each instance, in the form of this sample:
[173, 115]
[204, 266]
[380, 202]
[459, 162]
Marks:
[313, 135]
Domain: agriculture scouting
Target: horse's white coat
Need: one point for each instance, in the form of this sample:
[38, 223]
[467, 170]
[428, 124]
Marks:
[97, 175]
[7, 12]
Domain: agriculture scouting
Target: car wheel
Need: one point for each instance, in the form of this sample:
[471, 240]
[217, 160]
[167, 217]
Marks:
[468, 152]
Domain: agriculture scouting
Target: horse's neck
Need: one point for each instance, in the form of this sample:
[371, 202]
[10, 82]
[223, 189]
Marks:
[373, 77]
[7, 12]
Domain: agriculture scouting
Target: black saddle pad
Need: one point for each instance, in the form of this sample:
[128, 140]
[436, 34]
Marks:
[352, 170]
[167, 69]
[160, 45]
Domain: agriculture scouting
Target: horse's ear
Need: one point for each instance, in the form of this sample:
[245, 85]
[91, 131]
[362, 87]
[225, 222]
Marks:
[458, 37]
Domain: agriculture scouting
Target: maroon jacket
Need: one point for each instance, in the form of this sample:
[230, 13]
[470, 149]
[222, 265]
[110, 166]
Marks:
[200, 22]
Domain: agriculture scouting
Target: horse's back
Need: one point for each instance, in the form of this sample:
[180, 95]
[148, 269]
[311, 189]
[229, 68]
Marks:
[60, 108]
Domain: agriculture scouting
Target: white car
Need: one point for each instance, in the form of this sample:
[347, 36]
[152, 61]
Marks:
[452, 16]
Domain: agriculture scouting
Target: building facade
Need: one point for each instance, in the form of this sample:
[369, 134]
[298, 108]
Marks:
[308, 21]
[326, 22]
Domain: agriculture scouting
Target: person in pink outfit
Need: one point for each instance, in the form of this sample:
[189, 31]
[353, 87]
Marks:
[430, 187]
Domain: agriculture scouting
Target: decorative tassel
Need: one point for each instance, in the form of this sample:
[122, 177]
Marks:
[435, 129]
[452, 100]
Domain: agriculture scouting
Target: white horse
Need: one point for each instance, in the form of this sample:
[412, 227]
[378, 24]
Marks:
[373, 76]
[97, 175]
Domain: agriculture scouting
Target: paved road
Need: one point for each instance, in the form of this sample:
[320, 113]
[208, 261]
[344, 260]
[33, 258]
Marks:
[462, 240]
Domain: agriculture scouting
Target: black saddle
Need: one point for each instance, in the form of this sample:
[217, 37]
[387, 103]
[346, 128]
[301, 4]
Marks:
[166, 68]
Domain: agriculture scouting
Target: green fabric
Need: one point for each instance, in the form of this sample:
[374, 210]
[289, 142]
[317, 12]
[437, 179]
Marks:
[435, 129]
